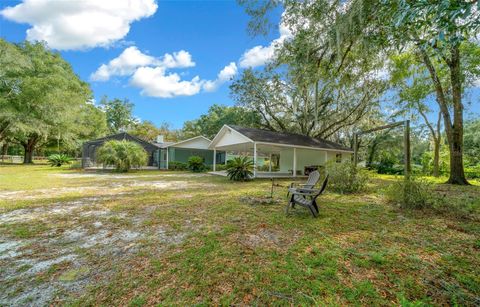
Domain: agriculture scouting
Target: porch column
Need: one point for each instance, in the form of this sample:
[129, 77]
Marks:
[270, 163]
[294, 162]
[214, 158]
[254, 160]
[166, 162]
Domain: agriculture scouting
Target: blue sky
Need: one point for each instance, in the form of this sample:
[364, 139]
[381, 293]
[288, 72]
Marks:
[212, 35]
[173, 59]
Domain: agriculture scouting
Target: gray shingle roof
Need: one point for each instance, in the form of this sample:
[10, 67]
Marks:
[266, 136]
[125, 136]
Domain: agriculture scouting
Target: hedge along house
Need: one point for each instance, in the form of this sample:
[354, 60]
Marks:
[277, 154]
[183, 150]
[89, 149]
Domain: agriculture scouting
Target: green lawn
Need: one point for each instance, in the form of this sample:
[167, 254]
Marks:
[145, 238]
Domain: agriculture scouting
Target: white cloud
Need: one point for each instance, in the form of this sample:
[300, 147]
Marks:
[123, 65]
[156, 83]
[79, 24]
[476, 83]
[257, 56]
[261, 55]
[181, 59]
[132, 58]
[226, 74]
[152, 76]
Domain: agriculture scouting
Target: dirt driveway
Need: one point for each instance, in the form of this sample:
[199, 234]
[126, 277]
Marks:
[62, 239]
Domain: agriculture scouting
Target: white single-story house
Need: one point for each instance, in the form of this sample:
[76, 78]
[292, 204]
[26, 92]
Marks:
[277, 154]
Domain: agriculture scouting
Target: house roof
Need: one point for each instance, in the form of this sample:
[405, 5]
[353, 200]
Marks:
[164, 144]
[123, 136]
[152, 145]
[284, 138]
[200, 137]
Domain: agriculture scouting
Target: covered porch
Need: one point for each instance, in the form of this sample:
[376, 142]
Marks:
[277, 160]
[277, 154]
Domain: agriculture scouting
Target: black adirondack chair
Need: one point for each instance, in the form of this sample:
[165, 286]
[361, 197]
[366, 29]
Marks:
[306, 198]
[310, 184]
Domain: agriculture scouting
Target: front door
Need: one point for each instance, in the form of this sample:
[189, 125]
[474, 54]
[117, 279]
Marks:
[163, 158]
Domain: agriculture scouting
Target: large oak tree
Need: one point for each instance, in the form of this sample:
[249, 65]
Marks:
[45, 96]
[373, 29]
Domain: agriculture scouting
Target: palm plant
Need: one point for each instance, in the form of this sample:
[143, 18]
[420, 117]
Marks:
[59, 159]
[123, 155]
[240, 169]
[195, 164]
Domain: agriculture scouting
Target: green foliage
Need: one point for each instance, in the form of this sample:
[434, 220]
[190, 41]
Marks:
[195, 164]
[123, 155]
[412, 193]
[118, 113]
[287, 98]
[59, 160]
[345, 178]
[444, 162]
[76, 165]
[473, 172]
[147, 130]
[418, 193]
[387, 161]
[471, 141]
[240, 168]
[177, 166]
[45, 97]
[221, 167]
[209, 124]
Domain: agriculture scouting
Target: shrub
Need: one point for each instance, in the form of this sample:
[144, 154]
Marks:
[76, 165]
[346, 178]
[411, 193]
[59, 160]
[123, 155]
[177, 166]
[444, 163]
[240, 169]
[220, 167]
[473, 172]
[195, 164]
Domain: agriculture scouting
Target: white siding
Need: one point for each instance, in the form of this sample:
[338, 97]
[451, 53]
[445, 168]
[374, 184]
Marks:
[195, 143]
[231, 137]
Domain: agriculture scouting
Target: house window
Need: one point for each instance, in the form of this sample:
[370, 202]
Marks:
[338, 158]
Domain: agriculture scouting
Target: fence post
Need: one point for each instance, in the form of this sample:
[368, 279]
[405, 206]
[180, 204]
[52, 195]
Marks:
[355, 149]
[406, 141]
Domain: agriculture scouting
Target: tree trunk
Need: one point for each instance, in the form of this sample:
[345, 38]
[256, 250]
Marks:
[4, 150]
[371, 154]
[455, 136]
[437, 139]
[29, 147]
[28, 156]
[454, 131]
[455, 140]
[436, 157]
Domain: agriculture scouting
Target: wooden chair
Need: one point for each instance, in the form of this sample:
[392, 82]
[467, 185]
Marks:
[306, 198]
